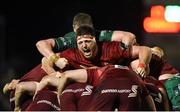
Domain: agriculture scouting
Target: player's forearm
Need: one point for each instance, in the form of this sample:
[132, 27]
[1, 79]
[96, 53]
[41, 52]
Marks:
[47, 66]
[78, 75]
[145, 55]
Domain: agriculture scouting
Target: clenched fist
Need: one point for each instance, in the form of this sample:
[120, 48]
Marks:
[61, 63]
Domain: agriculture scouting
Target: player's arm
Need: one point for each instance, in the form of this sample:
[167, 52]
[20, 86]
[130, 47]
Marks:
[144, 54]
[47, 66]
[78, 75]
[10, 86]
[45, 47]
[125, 37]
[23, 88]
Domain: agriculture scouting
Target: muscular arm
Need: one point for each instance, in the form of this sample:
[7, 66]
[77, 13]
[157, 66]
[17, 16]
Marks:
[45, 47]
[79, 75]
[143, 53]
[47, 66]
[125, 37]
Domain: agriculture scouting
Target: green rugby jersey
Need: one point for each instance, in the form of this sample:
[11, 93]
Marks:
[173, 90]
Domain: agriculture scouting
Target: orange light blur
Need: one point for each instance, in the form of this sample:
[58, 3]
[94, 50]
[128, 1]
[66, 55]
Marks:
[156, 23]
[157, 12]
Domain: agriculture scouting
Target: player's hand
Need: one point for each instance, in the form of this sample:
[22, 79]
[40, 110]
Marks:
[61, 63]
[13, 83]
[10, 86]
[141, 71]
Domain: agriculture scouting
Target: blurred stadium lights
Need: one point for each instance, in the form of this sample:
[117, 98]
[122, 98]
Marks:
[172, 13]
[157, 22]
[161, 16]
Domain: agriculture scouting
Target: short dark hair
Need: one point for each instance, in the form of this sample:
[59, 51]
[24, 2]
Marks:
[85, 30]
[82, 19]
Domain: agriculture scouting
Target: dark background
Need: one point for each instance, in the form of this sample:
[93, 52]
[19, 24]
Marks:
[23, 23]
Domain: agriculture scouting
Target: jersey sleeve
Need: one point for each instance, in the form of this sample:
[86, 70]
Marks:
[68, 41]
[105, 35]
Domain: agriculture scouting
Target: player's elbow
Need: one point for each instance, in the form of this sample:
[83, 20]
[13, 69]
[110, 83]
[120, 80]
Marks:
[131, 35]
[130, 39]
[47, 42]
[40, 43]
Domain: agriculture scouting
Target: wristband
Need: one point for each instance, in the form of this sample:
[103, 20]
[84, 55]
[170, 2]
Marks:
[54, 58]
[141, 65]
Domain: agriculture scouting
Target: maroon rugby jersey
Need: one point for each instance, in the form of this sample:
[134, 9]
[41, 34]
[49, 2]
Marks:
[160, 66]
[108, 53]
[116, 88]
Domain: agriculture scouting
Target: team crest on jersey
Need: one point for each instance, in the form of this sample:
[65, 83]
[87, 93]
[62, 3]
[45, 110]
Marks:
[87, 91]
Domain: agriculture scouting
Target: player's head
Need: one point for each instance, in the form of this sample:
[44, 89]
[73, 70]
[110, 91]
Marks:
[82, 19]
[157, 51]
[86, 41]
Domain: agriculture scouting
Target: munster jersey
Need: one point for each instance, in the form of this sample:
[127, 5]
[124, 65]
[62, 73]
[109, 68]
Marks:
[108, 53]
[116, 87]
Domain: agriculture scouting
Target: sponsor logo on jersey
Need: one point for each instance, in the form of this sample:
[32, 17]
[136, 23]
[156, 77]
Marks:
[132, 92]
[87, 91]
[115, 91]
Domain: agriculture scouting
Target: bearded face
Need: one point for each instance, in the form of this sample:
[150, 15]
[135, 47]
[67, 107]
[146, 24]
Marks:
[87, 45]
